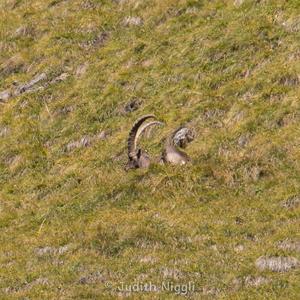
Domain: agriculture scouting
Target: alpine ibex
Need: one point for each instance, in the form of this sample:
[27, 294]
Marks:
[179, 138]
[138, 158]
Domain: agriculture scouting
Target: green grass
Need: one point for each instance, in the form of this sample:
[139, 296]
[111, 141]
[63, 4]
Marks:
[229, 71]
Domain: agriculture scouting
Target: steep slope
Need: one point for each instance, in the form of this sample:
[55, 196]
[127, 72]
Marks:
[74, 75]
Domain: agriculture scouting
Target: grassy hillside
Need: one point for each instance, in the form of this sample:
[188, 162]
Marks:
[74, 76]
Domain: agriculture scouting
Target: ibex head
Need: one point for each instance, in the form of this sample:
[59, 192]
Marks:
[183, 136]
[138, 158]
[179, 138]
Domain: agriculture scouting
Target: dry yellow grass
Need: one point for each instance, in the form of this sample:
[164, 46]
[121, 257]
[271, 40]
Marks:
[73, 224]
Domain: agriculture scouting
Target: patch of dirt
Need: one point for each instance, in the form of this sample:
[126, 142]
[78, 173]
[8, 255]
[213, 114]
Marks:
[292, 202]
[132, 21]
[277, 263]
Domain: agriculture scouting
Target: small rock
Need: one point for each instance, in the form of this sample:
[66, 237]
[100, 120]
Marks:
[44, 251]
[239, 220]
[40, 281]
[290, 245]
[239, 248]
[101, 39]
[35, 89]
[92, 278]
[292, 202]
[255, 281]
[251, 237]
[215, 117]
[141, 277]
[292, 24]
[247, 96]
[213, 113]
[238, 2]
[83, 142]
[277, 264]
[62, 249]
[51, 250]
[4, 96]
[191, 10]
[171, 273]
[65, 110]
[87, 4]
[133, 105]
[98, 41]
[243, 140]
[23, 104]
[213, 291]
[254, 173]
[133, 21]
[37, 79]
[87, 141]
[245, 74]
[290, 80]
[72, 146]
[102, 135]
[23, 31]
[295, 56]
[28, 86]
[60, 78]
[57, 262]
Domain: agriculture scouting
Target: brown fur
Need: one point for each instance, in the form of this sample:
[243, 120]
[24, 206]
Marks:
[171, 154]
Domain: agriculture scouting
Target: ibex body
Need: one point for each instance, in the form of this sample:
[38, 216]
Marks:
[171, 154]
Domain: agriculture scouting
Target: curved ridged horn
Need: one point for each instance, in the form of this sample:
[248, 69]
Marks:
[145, 126]
[134, 133]
[169, 139]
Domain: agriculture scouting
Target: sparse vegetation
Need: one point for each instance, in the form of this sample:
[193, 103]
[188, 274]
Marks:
[74, 225]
